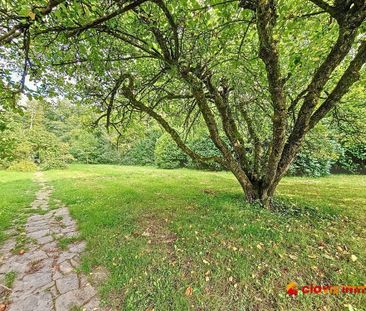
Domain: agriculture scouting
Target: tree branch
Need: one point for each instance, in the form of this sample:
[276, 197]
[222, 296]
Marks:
[228, 122]
[346, 37]
[127, 92]
[350, 76]
[268, 52]
[326, 7]
[20, 27]
[101, 20]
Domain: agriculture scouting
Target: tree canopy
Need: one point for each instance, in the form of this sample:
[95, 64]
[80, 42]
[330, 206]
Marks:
[255, 75]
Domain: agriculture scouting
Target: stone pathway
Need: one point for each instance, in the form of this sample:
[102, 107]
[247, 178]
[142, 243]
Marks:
[46, 276]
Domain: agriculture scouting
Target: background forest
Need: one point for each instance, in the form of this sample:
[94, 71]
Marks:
[51, 135]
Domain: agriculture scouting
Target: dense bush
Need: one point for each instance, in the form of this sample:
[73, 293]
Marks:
[205, 147]
[28, 142]
[107, 154]
[308, 165]
[142, 152]
[47, 149]
[168, 155]
[92, 147]
[23, 166]
[319, 153]
[55, 156]
[353, 158]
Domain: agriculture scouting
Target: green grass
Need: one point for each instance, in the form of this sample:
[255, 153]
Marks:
[159, 232]
[17, 191]
[64, 243]
[10, 278]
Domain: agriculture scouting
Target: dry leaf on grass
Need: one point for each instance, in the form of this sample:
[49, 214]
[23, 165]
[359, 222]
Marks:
[189, 291]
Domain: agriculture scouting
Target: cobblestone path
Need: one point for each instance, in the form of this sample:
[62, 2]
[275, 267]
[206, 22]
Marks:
[45, 275]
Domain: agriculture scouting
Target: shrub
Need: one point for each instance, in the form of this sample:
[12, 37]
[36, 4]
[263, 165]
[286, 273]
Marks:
[308, 165]
[142, 153]
[167, 153]
[353, 158]
[319, 153]
[205, 147]
[108, 155]
[55, 155]
[23, 166]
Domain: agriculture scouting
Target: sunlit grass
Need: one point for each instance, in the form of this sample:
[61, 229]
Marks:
[160, 233]
[17, 191]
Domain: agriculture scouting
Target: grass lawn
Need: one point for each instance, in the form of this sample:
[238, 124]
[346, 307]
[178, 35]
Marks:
[185, 240]
[17, 191]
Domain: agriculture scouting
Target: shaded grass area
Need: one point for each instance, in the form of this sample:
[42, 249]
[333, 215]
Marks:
[17, 191]
[185, 240]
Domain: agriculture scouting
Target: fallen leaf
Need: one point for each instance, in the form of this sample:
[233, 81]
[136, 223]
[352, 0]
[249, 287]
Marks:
[293, 257]
[353, 257]
[259, 246]
[339, 248]
[312, 256]
[328, 257]
[205, 261]
[189, 291]
[32, 15]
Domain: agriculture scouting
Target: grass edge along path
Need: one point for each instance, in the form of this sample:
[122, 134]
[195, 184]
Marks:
[17, 191]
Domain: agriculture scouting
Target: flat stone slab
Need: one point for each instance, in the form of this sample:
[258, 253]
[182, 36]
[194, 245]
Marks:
[46, 277]
[67, 283]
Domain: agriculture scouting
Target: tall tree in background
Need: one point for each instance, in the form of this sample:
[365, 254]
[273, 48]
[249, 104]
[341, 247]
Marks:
[258, 75]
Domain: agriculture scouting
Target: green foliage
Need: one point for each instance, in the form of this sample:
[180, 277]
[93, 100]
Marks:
[353, 157]
[308, 165]
[143, 151]
[320, 151]
[48, 150]
[92, 146]
[108, 154]
[167, 154]
[55, 156]
[28, 141]
[22, 166]
[159, 44]
[205, 147]
[52, 136]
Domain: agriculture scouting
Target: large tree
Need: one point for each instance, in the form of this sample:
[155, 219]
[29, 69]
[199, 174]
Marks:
[257, 74]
